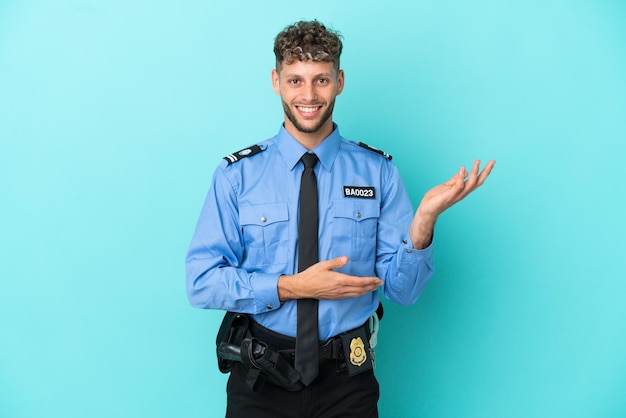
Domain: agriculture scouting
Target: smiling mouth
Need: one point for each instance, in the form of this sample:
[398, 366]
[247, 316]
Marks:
[308, 109]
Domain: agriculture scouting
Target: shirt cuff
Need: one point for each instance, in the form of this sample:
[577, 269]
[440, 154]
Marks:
[266, 292]
[413, 256]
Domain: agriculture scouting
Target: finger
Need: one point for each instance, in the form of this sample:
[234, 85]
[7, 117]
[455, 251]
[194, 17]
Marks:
[458, 181]
[484, 174]
[486, 171]
[457, 178]
[476, 181]
[335, 263]
[347, 292]
[363, 282]
[475, 169]
[467, 186]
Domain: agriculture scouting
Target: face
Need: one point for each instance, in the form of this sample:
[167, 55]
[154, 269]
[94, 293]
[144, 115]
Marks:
[308, 91]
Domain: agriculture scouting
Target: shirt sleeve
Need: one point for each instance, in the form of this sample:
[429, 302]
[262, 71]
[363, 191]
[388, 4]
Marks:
[215, 279]
[405, 270]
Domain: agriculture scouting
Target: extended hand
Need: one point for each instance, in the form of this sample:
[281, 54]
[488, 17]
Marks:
[441, 197]
[320, 281]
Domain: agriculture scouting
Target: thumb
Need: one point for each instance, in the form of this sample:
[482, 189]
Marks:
[339, 262]
[459, 176]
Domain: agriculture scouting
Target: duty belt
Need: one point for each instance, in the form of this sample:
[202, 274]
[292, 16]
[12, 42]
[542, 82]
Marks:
[331, 349]
[270, 355]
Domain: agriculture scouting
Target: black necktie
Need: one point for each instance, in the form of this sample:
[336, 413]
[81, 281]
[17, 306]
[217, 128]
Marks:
[307, 338]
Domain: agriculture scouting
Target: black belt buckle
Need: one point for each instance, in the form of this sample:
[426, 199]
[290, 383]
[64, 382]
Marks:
[327, 351]
[356, 349]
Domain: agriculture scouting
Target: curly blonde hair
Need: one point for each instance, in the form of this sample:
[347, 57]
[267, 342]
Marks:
[307, 40]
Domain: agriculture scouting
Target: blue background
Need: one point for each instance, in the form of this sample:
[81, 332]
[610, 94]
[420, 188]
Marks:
[113, 116]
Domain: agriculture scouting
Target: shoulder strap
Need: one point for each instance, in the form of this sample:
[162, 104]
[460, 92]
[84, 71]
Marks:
[244, 153]
[376, 150]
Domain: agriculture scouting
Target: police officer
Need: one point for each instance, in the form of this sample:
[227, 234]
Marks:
[244, 254]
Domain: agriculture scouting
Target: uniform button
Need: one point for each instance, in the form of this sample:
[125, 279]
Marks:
[409, 251]
[263, 219]
[358, 214]
[269, 306]
[404, 241]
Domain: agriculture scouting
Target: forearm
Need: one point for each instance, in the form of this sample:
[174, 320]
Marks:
[405, 250]
[422, 229]
[213, 285]
[287, 287]
[407, 273]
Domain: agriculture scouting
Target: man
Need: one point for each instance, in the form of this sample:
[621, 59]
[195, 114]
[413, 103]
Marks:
[247, 252]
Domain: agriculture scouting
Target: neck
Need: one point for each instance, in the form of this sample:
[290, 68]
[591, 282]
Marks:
[309, 140]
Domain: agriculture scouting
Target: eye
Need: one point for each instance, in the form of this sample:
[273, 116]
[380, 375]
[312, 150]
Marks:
[293, 81]
[323, 81]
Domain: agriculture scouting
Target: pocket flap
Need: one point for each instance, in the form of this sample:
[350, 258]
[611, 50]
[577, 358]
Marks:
[262, 215]
[357, 210]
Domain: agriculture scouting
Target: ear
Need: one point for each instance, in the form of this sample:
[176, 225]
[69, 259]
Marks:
[340, 81]
[276, 82]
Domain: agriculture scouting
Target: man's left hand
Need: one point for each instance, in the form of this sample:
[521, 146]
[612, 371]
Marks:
[443, 196]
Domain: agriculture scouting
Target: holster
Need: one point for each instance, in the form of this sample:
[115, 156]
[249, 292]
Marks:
[236, 344]
[266, 364]
[233, 330]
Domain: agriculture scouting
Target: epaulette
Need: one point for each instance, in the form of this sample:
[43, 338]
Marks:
[376, 150]
[246, 152]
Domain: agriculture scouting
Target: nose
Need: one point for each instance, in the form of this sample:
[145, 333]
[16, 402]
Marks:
[309, 93]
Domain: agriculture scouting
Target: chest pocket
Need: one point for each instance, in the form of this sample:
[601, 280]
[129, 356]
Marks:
[265, 233]
[355, 228]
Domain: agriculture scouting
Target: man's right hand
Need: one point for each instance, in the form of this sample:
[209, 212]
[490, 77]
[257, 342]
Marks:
[320, 281]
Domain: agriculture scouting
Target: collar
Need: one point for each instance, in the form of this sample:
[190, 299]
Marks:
[292, 150]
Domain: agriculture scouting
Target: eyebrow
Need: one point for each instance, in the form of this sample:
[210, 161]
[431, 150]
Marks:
[316, 75]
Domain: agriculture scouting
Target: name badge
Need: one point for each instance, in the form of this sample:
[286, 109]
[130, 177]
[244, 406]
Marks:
[359, 192]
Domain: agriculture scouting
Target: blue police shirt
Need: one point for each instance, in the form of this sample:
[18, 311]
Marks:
[247, 233]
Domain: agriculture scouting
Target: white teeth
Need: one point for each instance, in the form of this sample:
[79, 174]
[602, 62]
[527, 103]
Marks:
[308, 109]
